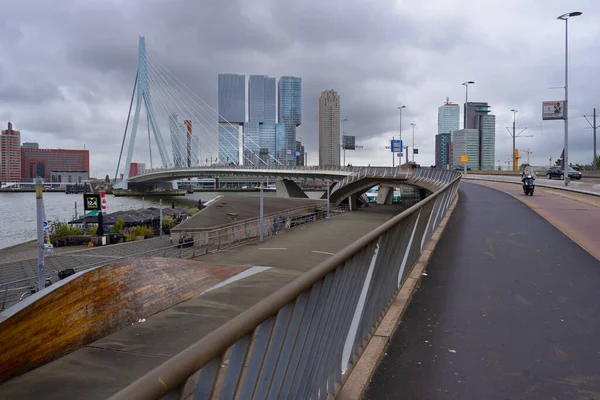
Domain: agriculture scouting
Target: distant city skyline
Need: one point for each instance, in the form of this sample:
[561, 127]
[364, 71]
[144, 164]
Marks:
[268, 135]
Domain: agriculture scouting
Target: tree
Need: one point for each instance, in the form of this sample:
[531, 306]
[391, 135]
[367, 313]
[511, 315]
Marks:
[107, 179]
[597, 162]
[558, 162]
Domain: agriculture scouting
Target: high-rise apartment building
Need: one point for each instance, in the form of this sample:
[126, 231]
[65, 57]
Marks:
[442, 150]
[465, 142]
[448, 117]
[448, 122]
[10, 155]
[329, 128]
[480, 119]
[290, 117]
[232, 115]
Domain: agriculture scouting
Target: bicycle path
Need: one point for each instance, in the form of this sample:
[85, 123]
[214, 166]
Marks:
[509, 309]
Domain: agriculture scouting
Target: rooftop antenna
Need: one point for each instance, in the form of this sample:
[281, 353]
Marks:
[447, 100]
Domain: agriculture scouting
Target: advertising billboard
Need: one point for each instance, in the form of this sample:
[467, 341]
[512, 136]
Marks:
[553, 110]
[349, 142]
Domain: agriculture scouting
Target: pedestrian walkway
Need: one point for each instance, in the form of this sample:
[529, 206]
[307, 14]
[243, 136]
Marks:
[509, 309]
[100, 369]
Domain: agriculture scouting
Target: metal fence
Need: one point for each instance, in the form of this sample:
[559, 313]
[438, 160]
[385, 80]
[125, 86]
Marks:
[16, 290]
[301, 341]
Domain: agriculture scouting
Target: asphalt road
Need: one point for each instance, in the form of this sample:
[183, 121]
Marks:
[509, 309]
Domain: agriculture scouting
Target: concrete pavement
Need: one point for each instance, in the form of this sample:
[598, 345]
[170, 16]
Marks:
[509, 309]
[102, 368]
[583, 186]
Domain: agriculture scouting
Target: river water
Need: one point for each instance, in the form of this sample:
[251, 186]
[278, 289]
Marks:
[17, 210]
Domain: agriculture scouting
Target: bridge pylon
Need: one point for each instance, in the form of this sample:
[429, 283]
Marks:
[144, 96]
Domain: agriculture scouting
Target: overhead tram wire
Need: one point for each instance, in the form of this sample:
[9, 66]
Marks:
[168, 72]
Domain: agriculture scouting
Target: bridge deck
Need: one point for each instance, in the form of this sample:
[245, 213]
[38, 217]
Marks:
[509, 308]
[102, 368]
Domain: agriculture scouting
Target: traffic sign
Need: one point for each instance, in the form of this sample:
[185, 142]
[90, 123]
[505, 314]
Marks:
[464, 158]
[415, 151]
[396, 146]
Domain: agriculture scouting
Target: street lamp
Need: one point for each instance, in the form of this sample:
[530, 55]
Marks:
[413, 144]
[400, 132]
[565, 17]
[466, 85]
[344, 134]
[514, 156]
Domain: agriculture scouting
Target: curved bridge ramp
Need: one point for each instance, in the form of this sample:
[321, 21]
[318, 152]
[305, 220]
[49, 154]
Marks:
[361, 181]
[95, 303]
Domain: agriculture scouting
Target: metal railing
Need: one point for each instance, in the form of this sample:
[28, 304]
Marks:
[301, 341]
[16, 290]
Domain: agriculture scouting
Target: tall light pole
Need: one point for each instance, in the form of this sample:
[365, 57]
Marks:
[514, 135]
[565, 17]
[466, 85]
[400, 134]
[413, 144]
[344, 134]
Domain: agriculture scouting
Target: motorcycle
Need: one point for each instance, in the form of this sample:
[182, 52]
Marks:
[528, 185]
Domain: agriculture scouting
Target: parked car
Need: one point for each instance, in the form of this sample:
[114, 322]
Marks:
[557, 172]
[461, 168]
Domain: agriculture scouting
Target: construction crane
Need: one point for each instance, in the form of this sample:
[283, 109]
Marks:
[528, 153]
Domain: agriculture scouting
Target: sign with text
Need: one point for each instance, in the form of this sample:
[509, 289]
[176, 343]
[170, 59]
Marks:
[396, 146]
[464, 158]
[348, 142]
[91, 202]
[415, 151]
[553, 110]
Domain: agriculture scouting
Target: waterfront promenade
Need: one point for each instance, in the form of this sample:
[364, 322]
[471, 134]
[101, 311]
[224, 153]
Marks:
[100, 369]
[509, 306]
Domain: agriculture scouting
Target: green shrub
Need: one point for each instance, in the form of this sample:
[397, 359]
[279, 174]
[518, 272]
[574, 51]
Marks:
[119, 225]
[141, 230]
[63, 230]
[168, 221]
[130, 237]
[91, 230]
[192, 211]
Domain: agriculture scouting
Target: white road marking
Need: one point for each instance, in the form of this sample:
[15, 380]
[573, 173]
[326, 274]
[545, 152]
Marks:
[241, 275]
[323, 252]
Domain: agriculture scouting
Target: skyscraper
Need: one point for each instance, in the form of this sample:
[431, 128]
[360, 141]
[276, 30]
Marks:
[259, 131]
[480, 119]
[448, 122]
[178, 141]
[329, 128]
[290, 117]
[10, 155]
[232, 115]
[448, 117]
[442, 150]
[465, 142]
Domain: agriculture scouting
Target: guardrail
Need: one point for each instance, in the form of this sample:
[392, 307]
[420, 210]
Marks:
[302, 340]
[14, 291]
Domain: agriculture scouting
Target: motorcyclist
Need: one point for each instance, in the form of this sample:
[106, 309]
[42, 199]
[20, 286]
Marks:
[527, 171]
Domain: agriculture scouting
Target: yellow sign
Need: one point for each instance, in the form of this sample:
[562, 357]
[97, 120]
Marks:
[464, 158]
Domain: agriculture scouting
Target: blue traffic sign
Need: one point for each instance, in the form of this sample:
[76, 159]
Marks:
[396, 146]
[297, 153]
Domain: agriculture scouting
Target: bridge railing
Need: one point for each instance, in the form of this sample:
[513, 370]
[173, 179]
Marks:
[305, 338]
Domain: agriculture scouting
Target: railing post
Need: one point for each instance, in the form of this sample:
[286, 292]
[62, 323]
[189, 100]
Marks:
[260, 228]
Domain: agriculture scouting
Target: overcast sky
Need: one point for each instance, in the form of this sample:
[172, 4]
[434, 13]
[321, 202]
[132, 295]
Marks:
[67, 67]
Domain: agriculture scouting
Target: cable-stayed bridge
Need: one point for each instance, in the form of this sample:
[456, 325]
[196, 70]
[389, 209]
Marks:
[183, 130]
